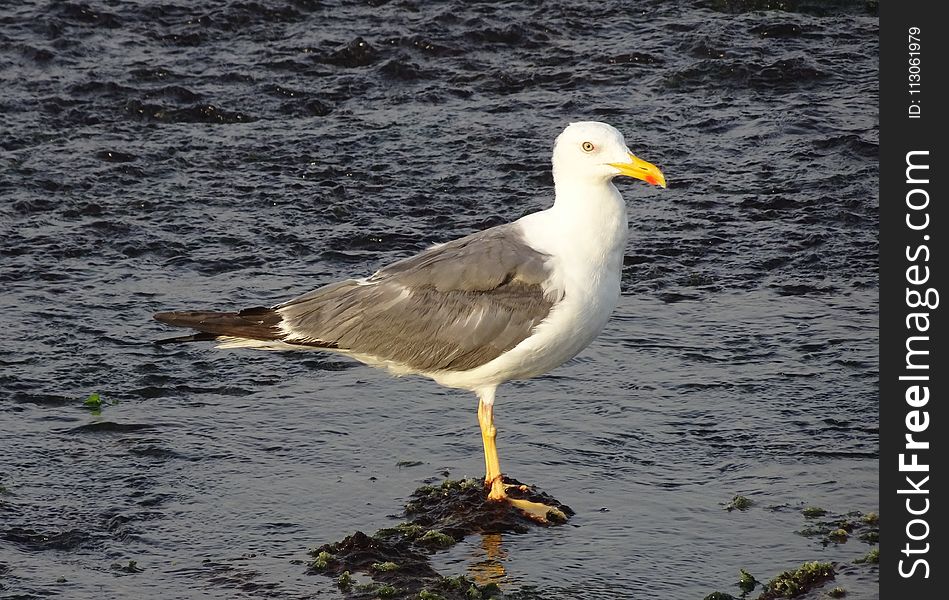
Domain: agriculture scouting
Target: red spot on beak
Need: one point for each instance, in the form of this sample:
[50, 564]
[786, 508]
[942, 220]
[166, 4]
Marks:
[652, 180]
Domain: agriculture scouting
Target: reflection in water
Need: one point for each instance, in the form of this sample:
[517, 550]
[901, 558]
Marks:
[491, 568]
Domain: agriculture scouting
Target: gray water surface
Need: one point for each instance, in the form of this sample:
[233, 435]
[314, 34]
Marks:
[219, 155]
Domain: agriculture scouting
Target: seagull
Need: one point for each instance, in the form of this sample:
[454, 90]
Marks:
[510, 302]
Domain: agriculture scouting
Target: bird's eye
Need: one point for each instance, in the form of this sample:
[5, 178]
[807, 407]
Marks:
[587, 146]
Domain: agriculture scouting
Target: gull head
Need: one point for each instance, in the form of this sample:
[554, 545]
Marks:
[595, 151]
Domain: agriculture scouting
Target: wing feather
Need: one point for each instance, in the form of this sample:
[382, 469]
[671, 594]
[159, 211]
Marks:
[453, 307]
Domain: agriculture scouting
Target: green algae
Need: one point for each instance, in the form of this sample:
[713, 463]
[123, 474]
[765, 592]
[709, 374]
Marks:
[719, 596]
[411, 531]
[746, 581]
[387, 591]
[322, 560]
[871, 557]
[94, 402]
[870, 537]
[829, 528]
[739, 503]
[344, 581]
[436, 539]
[130, 567]
[791, 584]
[839, 529]
[839, 535]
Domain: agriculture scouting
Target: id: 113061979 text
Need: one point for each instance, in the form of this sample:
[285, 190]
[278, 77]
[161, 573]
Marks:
[915, 57]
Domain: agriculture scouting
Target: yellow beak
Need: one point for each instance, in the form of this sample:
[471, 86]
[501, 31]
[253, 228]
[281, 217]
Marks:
[640, 169]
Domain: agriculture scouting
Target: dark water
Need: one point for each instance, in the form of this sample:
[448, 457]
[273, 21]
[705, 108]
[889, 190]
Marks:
[167, 155]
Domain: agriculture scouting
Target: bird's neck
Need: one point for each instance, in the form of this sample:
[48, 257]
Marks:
[590, 206]
[589, 218]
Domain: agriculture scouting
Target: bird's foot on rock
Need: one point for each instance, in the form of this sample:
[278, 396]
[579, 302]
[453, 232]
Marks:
[536, 511]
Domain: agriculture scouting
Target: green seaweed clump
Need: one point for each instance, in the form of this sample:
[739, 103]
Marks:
[838, 529]
[436, 539]
[95, 403]
[870, 537]
[321, 560]
[387, 591]
[719, 596]
[837, 592]
[406, 531]
[746, 581]
[385, 567]
[130, 567]
[738, 503]
[871, 557]
[462, 587]
[838, 535]
[791, 584]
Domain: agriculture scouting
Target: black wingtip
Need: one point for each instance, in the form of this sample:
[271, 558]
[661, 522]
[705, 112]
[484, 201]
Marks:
[253, 323]
[165, 317]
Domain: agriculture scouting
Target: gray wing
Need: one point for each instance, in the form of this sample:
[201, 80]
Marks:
[453, 307]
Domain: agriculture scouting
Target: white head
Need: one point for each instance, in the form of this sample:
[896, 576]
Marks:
[596, 152]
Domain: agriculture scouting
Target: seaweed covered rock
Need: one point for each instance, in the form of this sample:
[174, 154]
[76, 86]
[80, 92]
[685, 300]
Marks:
[396, 559]
[831, 528]
[360, 552]
[459, 508]
[792, 584]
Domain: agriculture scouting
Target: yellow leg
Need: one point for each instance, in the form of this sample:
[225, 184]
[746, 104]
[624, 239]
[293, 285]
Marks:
[492, 467]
